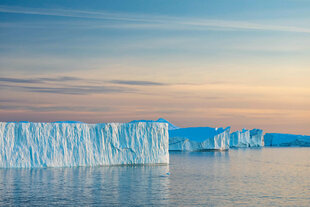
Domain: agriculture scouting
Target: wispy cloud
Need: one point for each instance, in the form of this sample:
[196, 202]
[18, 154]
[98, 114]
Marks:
[19, 80]
[137, 83]
[61, 85]
[72, 78]
[73, 85]
[42, 108]
[38, 80]
[60, 79]
[74, 13]
[73, 90]
[143, 21]
[82, 86]
[78, 90]
[6, 100]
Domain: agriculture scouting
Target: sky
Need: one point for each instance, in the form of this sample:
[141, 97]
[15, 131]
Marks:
[238, 63]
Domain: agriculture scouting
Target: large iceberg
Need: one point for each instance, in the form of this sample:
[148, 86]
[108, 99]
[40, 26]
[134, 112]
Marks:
[199, 139]
[247, 138]
[285, 140]
[81, 144]
[160, 120]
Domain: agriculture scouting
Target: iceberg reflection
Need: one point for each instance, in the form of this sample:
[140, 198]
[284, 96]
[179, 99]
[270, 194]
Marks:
[115, 185]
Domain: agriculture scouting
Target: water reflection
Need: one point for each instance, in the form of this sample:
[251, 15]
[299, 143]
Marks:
[116, 185]
[238, 177]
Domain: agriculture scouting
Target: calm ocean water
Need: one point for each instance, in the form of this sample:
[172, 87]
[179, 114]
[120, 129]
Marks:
[241, 177]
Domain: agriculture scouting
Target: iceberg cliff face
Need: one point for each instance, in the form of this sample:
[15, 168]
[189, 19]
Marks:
[199, 139]
[247, 138]
[81, 144]
[256, 138]
[240, 138]
[286, 140]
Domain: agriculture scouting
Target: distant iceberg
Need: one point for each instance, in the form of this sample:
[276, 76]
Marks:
[247, 138]
[286, 140]
[199, 139]
[80, 144]
[240, 138]
[160, 120]
[257, 138]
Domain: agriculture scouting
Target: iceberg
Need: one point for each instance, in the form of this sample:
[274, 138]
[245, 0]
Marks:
[170, 126]
[286, 140]
[64, 144]
[160, 120]
[256, 138]
[240, 138]
[247, 138]
[199, 139]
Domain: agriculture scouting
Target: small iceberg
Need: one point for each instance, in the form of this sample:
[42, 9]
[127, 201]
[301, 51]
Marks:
[199, 139]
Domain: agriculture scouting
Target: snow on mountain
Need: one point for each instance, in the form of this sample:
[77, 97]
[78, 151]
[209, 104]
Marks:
[160, 120]
[80, 144]
[199, 139]
[247, 138]
[286, 140]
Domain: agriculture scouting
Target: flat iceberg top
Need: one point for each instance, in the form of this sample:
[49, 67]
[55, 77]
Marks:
[80, 144]
[197, 134]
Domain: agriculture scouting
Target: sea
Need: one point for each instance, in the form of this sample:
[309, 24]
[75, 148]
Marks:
[238, 177]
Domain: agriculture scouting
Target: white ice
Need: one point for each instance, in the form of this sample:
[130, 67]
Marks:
[79, 144]
[257, 138]
[247, 138]
[240, 138]
[199, 139]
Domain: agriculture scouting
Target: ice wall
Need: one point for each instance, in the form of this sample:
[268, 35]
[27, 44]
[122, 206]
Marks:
[285, 140]
[81, 144]
[199, 139]
[256, 138]
[247, 138]
[240, 138]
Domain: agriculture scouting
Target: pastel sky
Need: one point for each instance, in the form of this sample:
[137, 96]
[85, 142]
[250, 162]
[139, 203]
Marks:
[238, 63]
